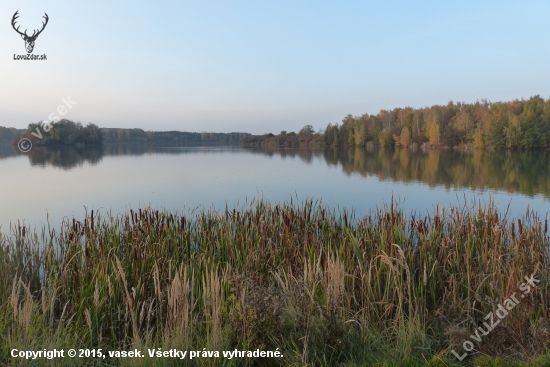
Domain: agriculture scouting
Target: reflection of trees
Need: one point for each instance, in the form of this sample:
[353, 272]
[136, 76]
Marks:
[304, 154]
[66, 157]
[525, 172]
[431, 172]
[128, 149]
[69, 157]
[7, 151]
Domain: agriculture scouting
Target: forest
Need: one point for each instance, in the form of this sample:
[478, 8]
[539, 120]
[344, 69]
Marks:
[518, 124]
[8, 134]
[169, 137]
[66, 132]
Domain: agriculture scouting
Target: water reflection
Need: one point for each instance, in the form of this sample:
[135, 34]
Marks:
[525, 172]
[64, 157]
[7, 151]
[70, 157]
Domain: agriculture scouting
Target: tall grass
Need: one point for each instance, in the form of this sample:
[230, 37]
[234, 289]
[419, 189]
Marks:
[325, 288]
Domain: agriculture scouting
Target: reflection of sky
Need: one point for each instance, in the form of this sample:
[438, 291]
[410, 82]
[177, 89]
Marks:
[214, 178]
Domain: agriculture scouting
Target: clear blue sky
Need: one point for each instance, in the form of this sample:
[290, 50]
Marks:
[260, 66]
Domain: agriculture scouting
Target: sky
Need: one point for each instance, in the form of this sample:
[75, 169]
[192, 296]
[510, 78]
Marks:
[265, 66]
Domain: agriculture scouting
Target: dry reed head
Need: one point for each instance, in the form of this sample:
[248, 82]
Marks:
[310, 271]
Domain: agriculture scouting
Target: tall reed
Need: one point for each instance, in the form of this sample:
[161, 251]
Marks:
[324, 287]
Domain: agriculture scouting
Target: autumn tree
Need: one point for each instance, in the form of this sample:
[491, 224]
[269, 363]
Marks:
[405, 137]
[434, 134]
[360, 133]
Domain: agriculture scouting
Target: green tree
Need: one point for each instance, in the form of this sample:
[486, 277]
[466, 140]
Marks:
[385, 138]
[513, 134]
[306, 131]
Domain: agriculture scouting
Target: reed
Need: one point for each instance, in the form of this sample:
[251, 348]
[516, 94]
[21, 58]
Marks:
[325, 287]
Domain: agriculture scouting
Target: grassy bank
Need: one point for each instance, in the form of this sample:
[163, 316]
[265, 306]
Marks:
[389, 289]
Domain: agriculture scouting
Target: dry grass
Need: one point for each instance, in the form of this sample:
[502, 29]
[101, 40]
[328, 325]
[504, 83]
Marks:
[324, 288]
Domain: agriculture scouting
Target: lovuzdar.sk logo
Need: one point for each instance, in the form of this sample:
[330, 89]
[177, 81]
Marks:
[29, 40]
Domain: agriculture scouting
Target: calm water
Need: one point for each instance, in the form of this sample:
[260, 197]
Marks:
[64, 182]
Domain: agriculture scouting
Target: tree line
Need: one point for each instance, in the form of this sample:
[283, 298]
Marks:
[8, 134]
[169, 137]
[518, 124]
[66, 132]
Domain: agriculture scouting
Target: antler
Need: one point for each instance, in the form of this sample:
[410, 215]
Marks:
[34, 34]
[15, 16]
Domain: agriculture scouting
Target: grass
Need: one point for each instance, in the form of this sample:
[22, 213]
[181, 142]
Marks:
[325, 288]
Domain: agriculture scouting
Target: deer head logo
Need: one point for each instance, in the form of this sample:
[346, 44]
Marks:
[29, 40]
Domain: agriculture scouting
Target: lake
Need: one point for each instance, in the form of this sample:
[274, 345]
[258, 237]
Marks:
[56, 183]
